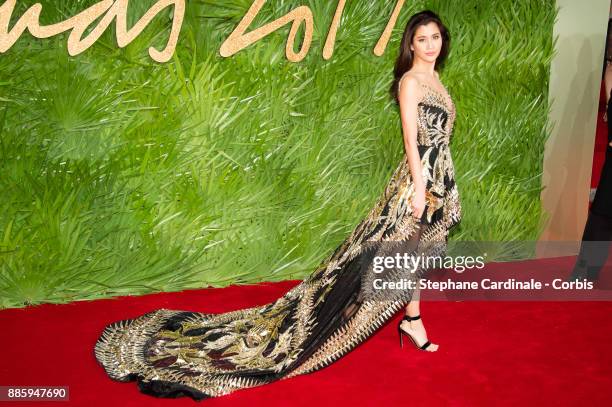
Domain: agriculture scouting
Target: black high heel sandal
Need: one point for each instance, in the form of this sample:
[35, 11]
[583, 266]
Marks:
[400, 331]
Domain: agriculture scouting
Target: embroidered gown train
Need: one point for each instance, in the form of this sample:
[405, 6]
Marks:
[173, 353]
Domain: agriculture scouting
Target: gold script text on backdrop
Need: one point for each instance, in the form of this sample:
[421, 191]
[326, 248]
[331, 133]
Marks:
[79, 23]
[117, 10]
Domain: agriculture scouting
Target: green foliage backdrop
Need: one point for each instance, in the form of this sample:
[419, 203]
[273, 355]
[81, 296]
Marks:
[122, 175]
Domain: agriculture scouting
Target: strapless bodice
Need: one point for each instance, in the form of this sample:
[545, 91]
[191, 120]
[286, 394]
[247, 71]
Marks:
[435, 118]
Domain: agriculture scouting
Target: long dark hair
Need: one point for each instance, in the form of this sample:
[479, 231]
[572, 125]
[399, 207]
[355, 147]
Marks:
[405, 59]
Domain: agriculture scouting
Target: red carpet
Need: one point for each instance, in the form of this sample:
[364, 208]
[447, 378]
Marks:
[491, 353]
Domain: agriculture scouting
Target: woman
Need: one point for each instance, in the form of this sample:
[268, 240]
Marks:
[428, 43]
[182, 353]
[597, 235]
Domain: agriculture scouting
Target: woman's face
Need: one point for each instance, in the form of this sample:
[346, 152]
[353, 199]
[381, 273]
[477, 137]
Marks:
[427, 42]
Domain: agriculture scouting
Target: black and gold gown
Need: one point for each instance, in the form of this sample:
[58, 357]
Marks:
[174, 353]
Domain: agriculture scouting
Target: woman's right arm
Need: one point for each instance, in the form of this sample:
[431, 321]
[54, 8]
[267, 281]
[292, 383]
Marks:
[408, 96]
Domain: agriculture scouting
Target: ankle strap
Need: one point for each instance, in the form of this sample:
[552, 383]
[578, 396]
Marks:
[407, 318]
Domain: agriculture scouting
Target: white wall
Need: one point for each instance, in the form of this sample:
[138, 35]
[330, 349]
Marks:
[575, 80]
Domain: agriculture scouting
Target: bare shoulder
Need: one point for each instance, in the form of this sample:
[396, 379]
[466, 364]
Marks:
[409, 86]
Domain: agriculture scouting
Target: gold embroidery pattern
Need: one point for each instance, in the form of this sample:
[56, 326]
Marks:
[181, 353]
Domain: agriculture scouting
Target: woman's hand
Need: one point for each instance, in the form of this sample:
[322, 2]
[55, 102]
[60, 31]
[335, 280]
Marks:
[418, 202]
